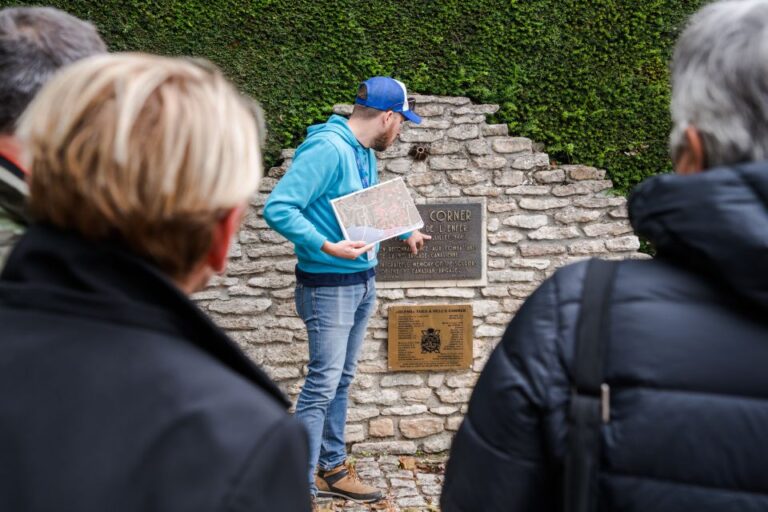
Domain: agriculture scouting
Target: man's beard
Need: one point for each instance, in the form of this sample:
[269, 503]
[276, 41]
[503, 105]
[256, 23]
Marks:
[382, 142]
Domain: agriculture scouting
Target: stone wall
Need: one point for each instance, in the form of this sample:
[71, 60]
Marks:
[539, 217]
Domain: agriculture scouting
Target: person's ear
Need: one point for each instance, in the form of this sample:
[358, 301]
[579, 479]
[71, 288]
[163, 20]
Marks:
[387, 118]
[224, 231]
[691, 159]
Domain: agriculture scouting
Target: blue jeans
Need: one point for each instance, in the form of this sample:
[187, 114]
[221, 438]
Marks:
[336, 318]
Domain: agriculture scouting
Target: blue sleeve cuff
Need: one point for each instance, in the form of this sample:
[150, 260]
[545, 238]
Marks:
[315, 241]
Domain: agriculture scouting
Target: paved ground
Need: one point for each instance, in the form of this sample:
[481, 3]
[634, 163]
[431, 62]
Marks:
[412, 483]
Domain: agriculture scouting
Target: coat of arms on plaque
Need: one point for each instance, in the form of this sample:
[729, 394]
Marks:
[430, 341]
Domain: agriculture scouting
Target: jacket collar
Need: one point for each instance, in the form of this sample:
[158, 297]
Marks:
[60, 271]
[12, 166]
[714, 222]
[13, 189]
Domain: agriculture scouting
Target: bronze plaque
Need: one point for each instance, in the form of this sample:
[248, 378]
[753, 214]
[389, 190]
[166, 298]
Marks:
[430, 337]
[454, 253]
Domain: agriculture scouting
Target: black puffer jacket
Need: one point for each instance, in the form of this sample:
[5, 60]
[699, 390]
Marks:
[118, 394]
[687, 363]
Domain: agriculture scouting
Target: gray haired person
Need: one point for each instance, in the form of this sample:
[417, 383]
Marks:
[678, 418]
[34, 43]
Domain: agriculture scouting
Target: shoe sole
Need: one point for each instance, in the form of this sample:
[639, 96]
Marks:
[331, 494]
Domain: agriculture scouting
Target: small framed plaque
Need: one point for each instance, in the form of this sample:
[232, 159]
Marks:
[430, 337]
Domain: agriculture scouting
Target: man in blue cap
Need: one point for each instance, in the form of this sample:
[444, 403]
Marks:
[335, 283]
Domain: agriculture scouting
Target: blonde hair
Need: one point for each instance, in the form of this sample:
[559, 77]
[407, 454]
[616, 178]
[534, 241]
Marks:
[145, 150]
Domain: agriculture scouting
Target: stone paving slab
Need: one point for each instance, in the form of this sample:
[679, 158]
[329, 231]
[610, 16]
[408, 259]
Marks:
[412, 483]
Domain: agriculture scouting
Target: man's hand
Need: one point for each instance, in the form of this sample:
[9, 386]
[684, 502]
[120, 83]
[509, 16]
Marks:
[346, 249]
[416, 241]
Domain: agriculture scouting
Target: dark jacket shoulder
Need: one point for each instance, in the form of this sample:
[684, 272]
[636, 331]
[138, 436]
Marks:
[119, 394]
[687, 337]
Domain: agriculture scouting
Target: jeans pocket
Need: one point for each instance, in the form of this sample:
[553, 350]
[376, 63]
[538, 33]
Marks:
[306, 304]
[298, 300]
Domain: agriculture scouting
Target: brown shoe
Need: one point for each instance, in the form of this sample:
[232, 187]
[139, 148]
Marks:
[343, 482]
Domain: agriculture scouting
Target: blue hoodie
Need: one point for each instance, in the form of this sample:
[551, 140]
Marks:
[299, 208]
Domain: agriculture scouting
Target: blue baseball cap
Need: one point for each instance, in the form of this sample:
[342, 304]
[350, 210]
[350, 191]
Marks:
[385, 93]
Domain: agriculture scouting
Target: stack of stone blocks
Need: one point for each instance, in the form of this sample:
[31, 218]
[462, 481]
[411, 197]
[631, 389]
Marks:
[539, 217]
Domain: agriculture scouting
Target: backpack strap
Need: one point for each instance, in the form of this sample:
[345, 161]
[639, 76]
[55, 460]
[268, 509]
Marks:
[590, 398]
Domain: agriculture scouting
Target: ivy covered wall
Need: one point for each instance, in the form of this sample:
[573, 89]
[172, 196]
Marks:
[588, 78]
